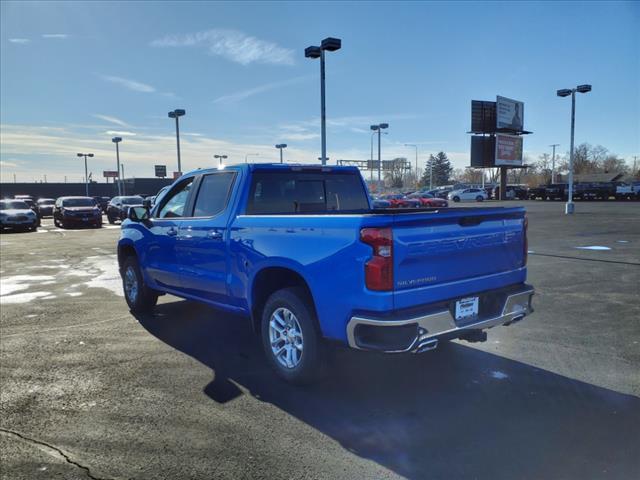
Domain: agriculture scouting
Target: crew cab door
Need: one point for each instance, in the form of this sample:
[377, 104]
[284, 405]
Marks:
[161, 260]
[203, 238]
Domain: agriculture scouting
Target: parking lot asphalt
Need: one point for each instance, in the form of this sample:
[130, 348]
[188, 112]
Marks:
[89, 391]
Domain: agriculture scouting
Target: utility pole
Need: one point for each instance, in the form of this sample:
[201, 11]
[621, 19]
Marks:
[553, 162]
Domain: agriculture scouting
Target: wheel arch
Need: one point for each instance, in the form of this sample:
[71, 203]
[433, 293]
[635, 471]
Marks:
[271, 279]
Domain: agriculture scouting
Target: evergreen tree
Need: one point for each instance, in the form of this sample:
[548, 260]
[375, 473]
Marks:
[442, 170]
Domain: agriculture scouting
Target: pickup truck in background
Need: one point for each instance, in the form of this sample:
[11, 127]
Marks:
[301, 253]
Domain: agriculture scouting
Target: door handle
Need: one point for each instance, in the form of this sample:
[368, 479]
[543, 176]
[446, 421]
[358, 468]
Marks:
[172, 232]
[215, 235]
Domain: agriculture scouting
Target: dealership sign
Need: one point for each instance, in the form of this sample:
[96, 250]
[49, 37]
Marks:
[509, 114]
[110, 174]
[161, 171]
[508, 150]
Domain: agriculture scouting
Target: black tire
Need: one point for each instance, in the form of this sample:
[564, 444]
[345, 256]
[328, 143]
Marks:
[111, 220]
[144, 298]
[56, 222]
[479, 198]
[310, 362]
[456, 199]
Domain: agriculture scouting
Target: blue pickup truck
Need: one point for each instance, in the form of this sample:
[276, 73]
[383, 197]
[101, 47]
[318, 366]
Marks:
[300, 251]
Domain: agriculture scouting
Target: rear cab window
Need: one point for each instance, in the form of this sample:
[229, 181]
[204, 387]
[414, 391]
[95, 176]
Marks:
[306, 192]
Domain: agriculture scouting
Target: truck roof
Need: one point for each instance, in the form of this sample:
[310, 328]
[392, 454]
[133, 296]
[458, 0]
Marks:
[276, 167]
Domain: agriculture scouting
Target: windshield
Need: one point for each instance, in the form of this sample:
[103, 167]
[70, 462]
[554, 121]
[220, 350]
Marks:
[132, 200]
[78, 202]
[13, 205]
[48, 201]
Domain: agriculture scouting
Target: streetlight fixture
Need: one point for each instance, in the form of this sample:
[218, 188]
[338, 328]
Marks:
[249, 155]
[281, 146]
[86, 177]
[117, 140]
[329, 44]
[177, 113]
[565, 92]
[378, 128]
[220, 158]
[416, 147]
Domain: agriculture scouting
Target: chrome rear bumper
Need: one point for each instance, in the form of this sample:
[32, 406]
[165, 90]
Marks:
[428, 328]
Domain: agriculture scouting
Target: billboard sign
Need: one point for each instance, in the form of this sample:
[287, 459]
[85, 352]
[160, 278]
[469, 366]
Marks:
[483, 116]
[110, 174]
[509, 114]
[508, 150]
[161, 171]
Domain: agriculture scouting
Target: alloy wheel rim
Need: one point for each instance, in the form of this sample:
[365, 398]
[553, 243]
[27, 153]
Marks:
[131, 284]
[285, 337]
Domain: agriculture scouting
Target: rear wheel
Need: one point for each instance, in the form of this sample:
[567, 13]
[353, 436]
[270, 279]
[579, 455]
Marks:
[290, 338]
[139, 297]
[456, 199]
[111, 219]
[479, 198]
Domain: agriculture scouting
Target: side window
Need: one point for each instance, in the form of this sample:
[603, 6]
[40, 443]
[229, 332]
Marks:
[175, 201]
[213, 194]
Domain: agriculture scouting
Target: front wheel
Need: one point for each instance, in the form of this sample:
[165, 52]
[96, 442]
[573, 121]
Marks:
[479, 198]
[139, 297]
[456, 199]
[290, 338]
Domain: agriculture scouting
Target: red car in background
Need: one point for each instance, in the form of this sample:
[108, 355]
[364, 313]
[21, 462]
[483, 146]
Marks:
[398, 200]
[428, 200]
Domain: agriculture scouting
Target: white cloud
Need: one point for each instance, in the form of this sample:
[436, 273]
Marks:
[7, 164]
[122, 133]
[243, 94]
[110, 119]
[21, 41]
[299, 136]
[55, 35]
[129, 84]
[232, 45]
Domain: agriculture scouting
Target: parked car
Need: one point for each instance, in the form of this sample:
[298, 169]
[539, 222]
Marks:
[399, 200]
[76, 212]
[380, 203]
[428, 200]
[440, 193]
[44, 207]
[118, 207]
[536, 192]
[276, 242]
[103, 203]
[628, 191]
[16, 215]
[468, 195]
[556, 191]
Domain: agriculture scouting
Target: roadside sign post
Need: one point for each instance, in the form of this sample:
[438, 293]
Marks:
[161, 171]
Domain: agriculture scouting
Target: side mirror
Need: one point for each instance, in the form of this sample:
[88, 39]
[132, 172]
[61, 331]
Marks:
[146, 203]
[138, 214]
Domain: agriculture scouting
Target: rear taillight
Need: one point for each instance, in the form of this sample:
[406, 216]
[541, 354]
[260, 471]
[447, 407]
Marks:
[378, 271]
[525, 241]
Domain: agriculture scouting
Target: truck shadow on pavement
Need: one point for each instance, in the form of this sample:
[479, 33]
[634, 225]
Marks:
[457, 412]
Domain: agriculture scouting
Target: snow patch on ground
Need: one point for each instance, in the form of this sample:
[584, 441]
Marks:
[22, 297]
[594, 247]
[498, 375]
[74, 294]
[104, 270]
[16, 283]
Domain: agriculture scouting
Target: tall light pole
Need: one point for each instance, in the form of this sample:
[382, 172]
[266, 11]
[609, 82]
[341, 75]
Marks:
[117, 140]
[280, 147]
[249, 155]
[331, 45]
[177, 113]
[86, 177]
[124, 187]
[565, 92]
[220, 158]
[378, 128]
[553, 162]
[416, 147]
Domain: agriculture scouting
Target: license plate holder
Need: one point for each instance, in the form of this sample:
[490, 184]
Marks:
[467, 308]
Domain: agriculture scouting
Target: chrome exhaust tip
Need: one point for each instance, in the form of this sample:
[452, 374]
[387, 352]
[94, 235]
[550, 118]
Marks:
[426, 346]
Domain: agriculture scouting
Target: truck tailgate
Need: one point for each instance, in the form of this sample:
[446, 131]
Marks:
[450, 253]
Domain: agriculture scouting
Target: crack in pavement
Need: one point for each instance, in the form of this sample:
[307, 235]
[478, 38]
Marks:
[51, 450]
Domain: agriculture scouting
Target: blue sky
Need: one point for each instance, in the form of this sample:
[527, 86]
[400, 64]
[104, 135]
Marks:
[73, 74]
